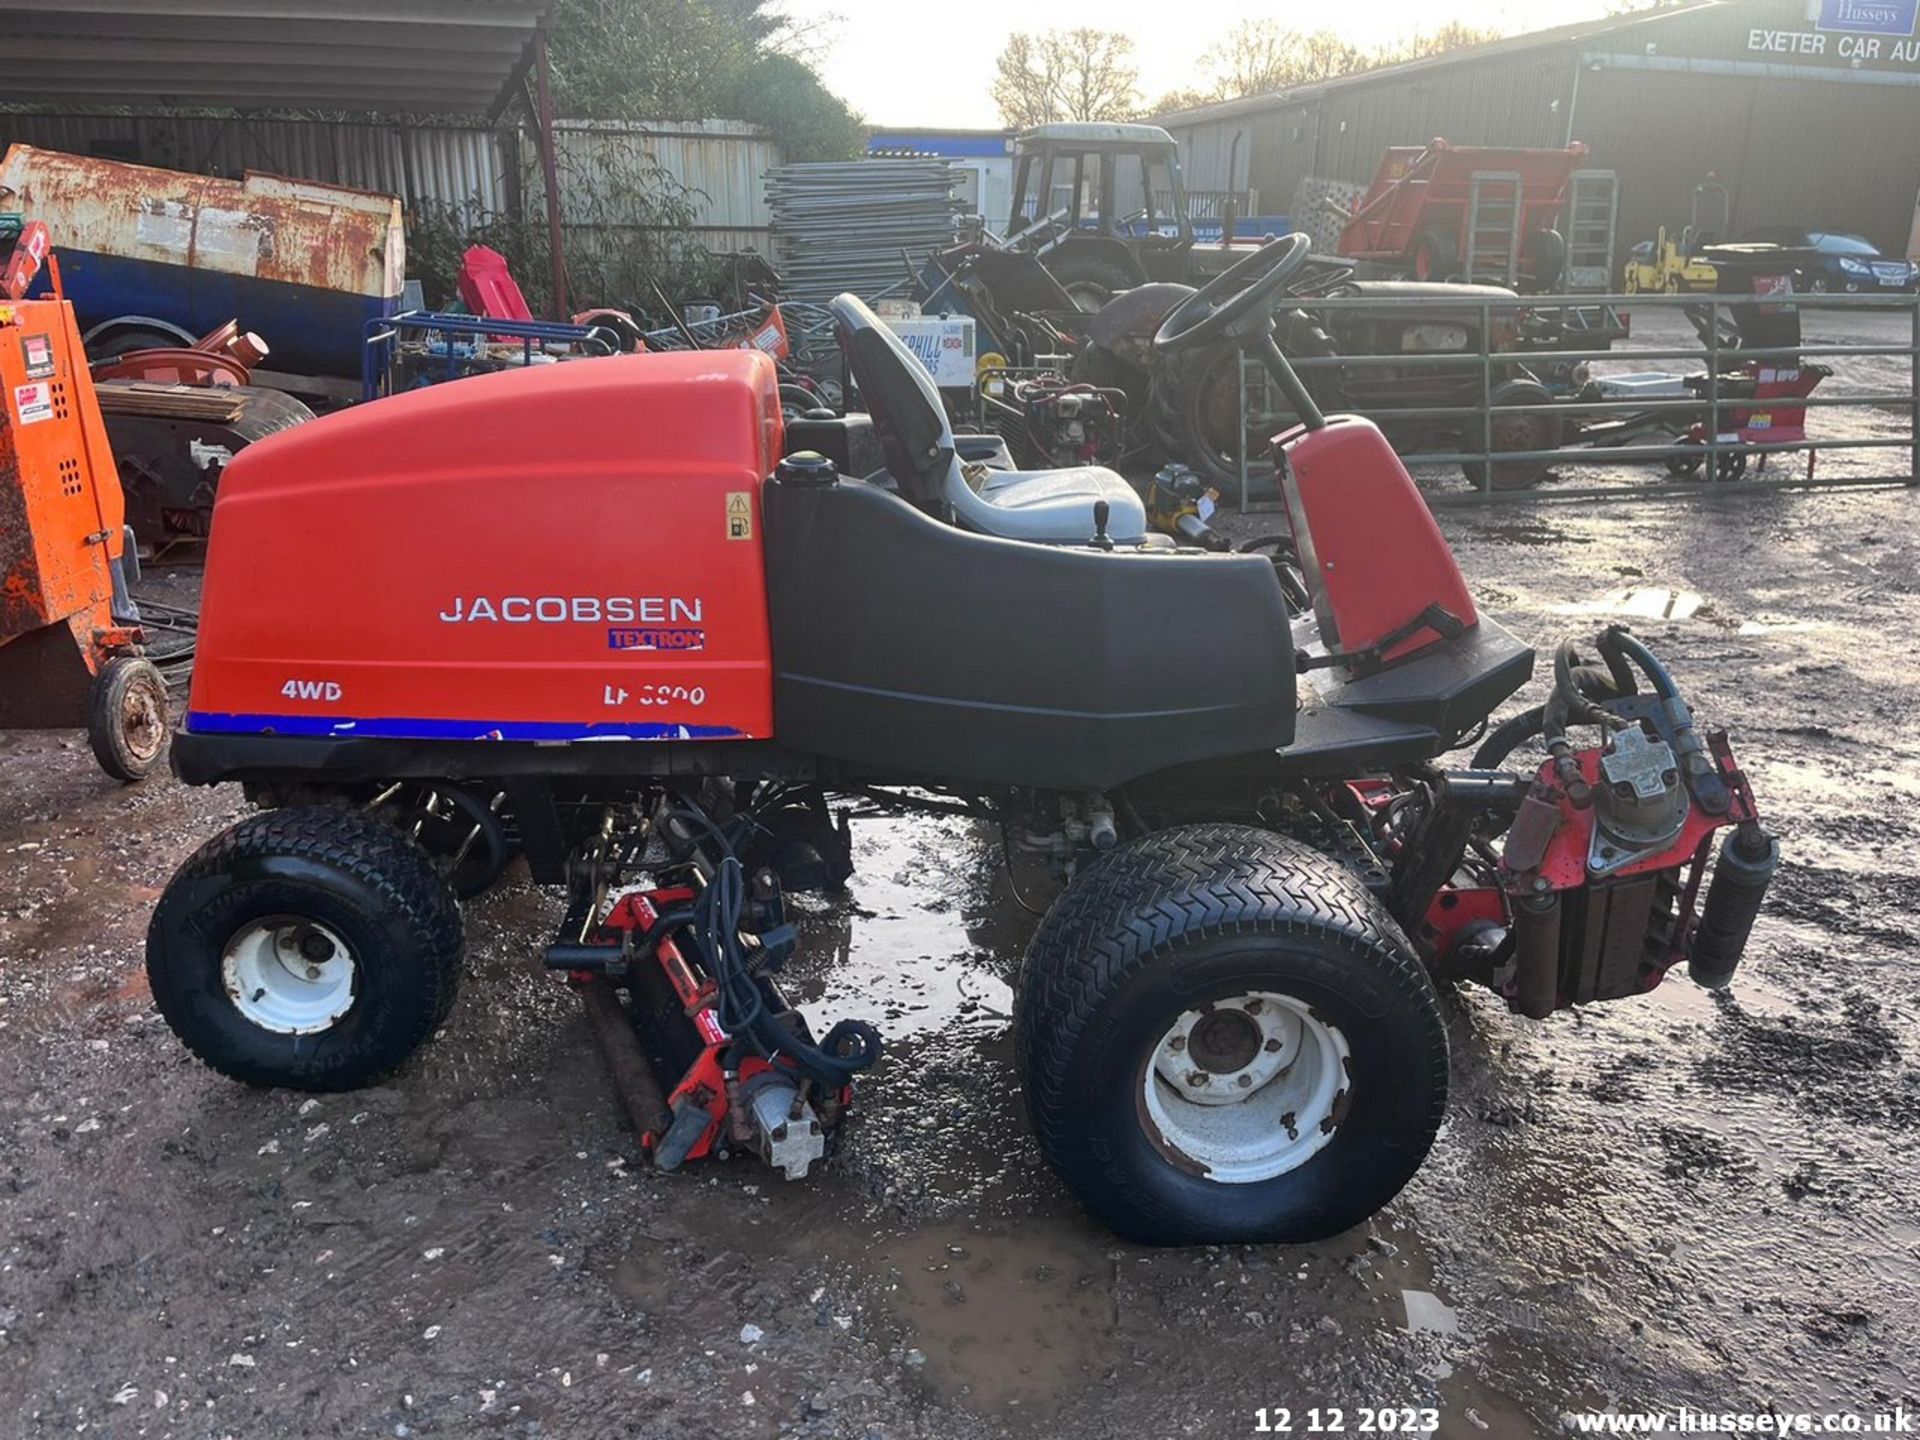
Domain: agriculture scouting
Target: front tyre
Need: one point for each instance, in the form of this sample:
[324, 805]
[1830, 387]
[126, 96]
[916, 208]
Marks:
[127, 717]
[1224, 1038]
[312, 948]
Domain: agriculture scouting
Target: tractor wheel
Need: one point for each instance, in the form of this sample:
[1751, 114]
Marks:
[1223, 1038]
[1091, 281]
[127, 717]
[1730, 466]
[313, 948]
[1196, 411]
[1544, 254]
[1435, 255]
[1632, 283]
[1543, 431]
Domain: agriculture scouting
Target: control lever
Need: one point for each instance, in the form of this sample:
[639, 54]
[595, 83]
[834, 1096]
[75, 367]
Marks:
[1101, 513]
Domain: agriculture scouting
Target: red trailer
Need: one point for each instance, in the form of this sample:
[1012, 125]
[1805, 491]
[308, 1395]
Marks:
[1476, 213]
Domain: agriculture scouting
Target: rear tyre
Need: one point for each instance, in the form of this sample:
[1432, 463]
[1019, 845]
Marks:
[1544, 254]
[127, 717]
[1542, 431]
[312, 948]
[1091, 281]
[1195, 409]
[1435, 255]
[1223, 1037]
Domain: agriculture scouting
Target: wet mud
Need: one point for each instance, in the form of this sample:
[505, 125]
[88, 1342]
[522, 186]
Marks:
[1681, 1199]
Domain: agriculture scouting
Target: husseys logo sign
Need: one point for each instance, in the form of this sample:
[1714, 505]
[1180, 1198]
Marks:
[1865, 17]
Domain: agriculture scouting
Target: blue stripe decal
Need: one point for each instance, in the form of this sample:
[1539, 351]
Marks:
[200, 722]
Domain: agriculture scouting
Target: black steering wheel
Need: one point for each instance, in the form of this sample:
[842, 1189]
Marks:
[1234, 302]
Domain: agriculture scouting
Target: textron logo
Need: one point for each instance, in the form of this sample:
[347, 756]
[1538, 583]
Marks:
[572, 609]
[656, 637]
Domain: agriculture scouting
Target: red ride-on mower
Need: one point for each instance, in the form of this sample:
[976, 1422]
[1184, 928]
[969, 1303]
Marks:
[648, 650]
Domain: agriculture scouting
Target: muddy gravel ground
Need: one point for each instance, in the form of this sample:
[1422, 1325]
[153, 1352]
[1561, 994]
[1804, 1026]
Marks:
[1682, 1199]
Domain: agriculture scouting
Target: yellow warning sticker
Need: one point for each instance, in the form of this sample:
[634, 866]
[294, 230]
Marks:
[739, 515]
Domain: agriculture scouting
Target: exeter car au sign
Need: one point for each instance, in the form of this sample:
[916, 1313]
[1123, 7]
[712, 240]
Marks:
[1845, 34]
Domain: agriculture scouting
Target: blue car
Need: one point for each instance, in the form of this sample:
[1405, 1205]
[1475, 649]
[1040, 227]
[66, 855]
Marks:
[1848, 264]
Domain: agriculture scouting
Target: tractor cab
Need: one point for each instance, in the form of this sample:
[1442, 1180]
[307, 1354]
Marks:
[1102, 203]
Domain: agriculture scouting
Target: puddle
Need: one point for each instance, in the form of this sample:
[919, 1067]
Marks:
[1641, 602]
[1428, 1314]
[926, 939]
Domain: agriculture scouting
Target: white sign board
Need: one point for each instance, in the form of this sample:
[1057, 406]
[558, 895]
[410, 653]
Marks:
[945, 347]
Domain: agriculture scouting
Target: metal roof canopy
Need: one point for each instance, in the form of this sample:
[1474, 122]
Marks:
[445, 56]
[467, 57]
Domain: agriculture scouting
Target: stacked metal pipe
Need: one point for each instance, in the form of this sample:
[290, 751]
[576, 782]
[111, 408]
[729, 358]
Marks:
[855, 225]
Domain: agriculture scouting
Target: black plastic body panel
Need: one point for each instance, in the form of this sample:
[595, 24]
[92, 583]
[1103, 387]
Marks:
[904, 645]
[212, 758]
[847, 440]
[1410, 711]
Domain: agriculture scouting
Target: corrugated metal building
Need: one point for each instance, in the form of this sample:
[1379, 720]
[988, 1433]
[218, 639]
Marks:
[490, 168]
[1807, 110]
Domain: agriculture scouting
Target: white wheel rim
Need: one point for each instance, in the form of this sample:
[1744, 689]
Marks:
[1246, 1088]
[289, 975]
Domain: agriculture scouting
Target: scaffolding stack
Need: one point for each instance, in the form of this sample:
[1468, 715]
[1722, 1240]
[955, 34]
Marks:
[864, 226]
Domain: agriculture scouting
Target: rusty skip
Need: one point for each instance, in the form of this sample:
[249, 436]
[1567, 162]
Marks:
[266, 227]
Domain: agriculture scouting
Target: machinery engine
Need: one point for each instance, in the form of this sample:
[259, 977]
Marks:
[1066, 423]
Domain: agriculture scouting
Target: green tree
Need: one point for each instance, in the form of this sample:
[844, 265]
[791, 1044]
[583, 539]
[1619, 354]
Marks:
[696, 60]
[783, 94]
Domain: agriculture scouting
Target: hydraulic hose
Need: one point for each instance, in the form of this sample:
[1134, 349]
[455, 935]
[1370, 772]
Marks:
[1703, 777]
[1617, 639]
[1509, 735]
[1572, 687]
[741, 1007]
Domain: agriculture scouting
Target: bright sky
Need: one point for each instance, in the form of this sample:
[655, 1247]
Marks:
[912, 62]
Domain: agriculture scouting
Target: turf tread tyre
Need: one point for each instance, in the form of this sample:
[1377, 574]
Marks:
[369, 868]
[1163, 900]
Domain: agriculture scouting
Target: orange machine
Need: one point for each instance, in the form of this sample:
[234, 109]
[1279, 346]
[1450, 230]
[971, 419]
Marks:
[70, 637]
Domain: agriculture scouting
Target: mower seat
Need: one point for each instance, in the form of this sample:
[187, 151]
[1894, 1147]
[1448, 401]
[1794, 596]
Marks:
[926, 464]
[1048, 506]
